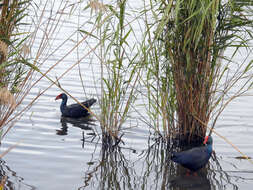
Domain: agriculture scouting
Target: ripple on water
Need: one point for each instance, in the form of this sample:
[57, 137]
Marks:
[53, 154]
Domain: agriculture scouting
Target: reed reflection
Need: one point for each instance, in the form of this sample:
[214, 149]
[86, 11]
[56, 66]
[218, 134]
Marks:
[112, 171]
[221, 179]
[10, 180]
[162, 173]
[152, 170]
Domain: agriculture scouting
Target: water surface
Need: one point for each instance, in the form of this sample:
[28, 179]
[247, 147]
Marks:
[56, 153]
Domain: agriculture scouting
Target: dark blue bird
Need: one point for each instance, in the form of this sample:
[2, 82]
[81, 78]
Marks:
[195, 158]
[74, 110]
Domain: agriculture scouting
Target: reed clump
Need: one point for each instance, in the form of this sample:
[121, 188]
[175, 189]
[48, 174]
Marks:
[12, 68]
[193, 77]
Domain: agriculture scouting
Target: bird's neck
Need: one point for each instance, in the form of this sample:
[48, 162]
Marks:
[63, 104]
[209, 148]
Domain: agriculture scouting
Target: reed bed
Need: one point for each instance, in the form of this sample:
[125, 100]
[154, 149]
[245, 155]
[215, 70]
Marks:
[180, 58]
[193, 77]
[14, 74]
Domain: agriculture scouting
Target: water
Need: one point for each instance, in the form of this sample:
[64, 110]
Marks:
[55, 153]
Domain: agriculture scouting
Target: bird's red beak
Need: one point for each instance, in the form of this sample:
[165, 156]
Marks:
[206, 139]
[58, 97]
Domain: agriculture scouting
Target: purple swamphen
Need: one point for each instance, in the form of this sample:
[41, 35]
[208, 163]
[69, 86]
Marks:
[195, 158]
[74, 110]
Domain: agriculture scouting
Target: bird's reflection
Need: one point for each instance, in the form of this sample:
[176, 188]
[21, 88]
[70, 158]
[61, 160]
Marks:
[84, 123]
[181, 181]
[190, 183]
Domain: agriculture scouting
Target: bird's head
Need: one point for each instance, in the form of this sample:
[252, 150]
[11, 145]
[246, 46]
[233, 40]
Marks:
[208, 140]
[61, 96]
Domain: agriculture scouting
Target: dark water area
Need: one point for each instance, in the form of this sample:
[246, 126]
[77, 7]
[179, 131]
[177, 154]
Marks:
[56, 153]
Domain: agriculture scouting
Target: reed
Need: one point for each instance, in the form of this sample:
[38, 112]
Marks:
[119, 71]
[193, 77]
[160, 94]
[13, 71]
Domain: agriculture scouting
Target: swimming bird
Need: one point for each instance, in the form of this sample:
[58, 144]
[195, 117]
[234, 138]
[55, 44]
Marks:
[195, 158]
[74, 110]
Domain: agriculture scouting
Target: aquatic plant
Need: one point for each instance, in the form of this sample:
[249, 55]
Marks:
[194, 78]
[14, 73]
[119, 71]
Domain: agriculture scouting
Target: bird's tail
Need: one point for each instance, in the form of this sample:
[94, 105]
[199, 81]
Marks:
[173, 156]
[89, 102]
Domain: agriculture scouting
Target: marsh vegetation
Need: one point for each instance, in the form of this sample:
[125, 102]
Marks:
[166, 67]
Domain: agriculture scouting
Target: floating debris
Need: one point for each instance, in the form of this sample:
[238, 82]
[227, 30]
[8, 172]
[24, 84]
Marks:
[243, 157]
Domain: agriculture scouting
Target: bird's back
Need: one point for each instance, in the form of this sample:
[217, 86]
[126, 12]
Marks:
[193, 159]
[76, 110]
[89, 102]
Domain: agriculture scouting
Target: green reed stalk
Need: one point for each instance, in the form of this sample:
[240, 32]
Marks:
[159, 82]
[119, 73]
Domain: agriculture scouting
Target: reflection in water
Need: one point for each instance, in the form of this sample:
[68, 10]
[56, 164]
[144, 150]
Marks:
[190, 183]
[113, 171]
[82, 123]
[167, 174]
[12, 181]
[152, 170]
[210, 177]
[221, 180]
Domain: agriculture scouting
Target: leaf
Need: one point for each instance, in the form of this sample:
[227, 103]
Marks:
[249, 66]
[34, 67]
[88, 33]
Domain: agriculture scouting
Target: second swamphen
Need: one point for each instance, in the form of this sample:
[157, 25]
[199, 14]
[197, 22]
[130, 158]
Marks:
[195, 158]
[74, 110]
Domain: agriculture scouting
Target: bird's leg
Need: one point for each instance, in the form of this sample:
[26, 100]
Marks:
[188, 173]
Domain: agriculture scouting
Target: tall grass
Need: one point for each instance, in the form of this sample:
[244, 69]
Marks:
[119, 71]
[160, 95]
[14, 74]
[190, 66]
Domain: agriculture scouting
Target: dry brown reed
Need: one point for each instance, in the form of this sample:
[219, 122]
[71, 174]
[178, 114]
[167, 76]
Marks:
[3, 51]
[11, 69]
[211, 129]
[97, 6]
[7, 98]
